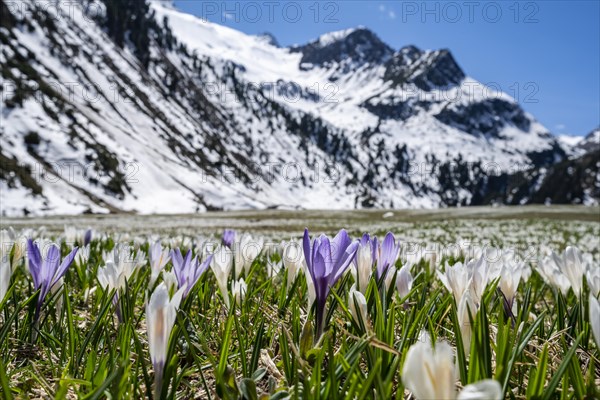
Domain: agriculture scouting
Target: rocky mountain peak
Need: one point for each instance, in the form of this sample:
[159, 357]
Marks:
[427, 70]
[591, 142]
[269, 38]
[352, 48]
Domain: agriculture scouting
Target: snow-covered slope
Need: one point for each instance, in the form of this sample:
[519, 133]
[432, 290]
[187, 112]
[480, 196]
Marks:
[576, 146]
[177, 114]
[569, 144]
[590, 143]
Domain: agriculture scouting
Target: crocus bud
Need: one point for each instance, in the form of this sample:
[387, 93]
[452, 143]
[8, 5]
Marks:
[159, 257]
[595, 318]
[87, 237]
[467, 309]
[310, 288]
[293, 260]
[357, 304]
[221, 265]
[238, 290]
[404, 281]
[389, 278]
[456, 279]
[362, 267]
[228, 237]
[593, 280]
[82, 256]
[161, 312]
[5, 273]
[274, 268]
[246, 251]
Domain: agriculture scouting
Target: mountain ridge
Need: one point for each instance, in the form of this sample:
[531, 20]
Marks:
[194, 116]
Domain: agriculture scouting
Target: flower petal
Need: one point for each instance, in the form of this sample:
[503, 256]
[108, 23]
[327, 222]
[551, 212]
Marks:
[68, 260]
[487, 389]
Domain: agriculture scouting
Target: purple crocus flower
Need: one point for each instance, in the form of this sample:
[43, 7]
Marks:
[87, 237]
[228, 237]
[47, 272]
[326, 262]
[386, 254]
[188, 270]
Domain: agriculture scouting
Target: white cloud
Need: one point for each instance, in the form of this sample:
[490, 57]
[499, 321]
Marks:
[391, 14]
[560, 127]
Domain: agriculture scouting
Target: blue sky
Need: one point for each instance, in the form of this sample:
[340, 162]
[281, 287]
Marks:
[546, 54]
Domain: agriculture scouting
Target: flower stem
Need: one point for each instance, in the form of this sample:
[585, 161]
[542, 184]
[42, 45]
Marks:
[319, 316]
[158, 381]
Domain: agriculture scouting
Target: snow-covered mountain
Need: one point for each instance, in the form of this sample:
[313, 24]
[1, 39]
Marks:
[590, 143]
[576, 146]
[569, 144]
[121, 105]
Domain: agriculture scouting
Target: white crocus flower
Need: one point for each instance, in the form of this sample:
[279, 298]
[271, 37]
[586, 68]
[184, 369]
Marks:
[356, 298]
[238, 291]
[161, 312]
[246, 250]
[83, 255]
[552, 275]
[20, 250]
[5, 273]
[479, 277]
[389, 278]
[181, 242]
[466, 311]
[404, 281]
[119, 267]
[311, 293]
[429, 372]
[7, 242]
[159, 257]
[487, 389]
[123, 256]
[525, 272]
[293, 260]
[110, 277]
[593, 279]
[14, 242]
[59, 301]
[495, 259]
[6, 245]
[595, 318]
[72, 234]
[274, 268]
[510, 276]
[362, 268]
[456, 279]
[565, 271]
[206, 247]
[221, 265]
[170, 279]
[573, 267]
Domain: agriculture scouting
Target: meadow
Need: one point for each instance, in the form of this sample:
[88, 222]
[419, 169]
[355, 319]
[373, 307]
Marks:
[467, 303]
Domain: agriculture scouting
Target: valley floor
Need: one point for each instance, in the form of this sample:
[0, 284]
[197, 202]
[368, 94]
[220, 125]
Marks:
[525, 228]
